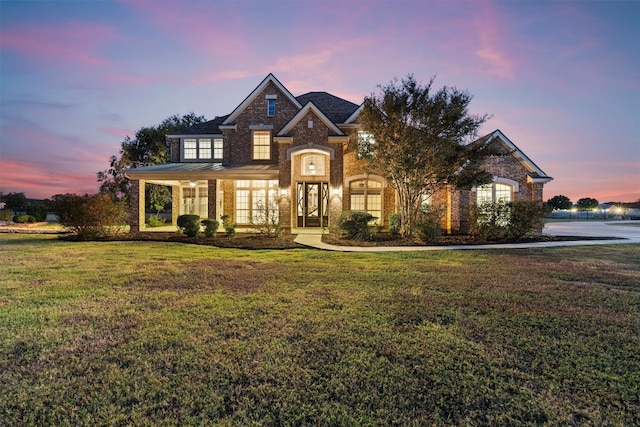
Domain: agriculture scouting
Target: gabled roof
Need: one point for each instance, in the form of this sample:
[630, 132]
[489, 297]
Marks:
[210, 127]
[254, 94]
[336, 109]
[303, 112]
[535, 173]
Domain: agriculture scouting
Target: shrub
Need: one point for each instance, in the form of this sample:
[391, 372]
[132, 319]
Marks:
[395, 222]
[156, 221]
[490, 221]
[39, 212]
[507, 221]
[229, 226]
[210, 227]
[189, 225]
[90, 216]
[355, 225]
[527, 219]
[428, 223]
[266, 220]
[6, 215]
[23, 219]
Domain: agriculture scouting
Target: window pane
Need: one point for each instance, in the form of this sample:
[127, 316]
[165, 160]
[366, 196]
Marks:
[357, 202]
[217, 148]
[373, 184]
[190, 146]
[484, 194]
[503, 193]
[204, 149]
[242, 207]
[261, 145]
[271, 107]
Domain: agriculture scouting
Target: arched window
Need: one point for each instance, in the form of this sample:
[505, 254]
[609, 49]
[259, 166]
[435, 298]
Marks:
[366, 195]
[494, 192]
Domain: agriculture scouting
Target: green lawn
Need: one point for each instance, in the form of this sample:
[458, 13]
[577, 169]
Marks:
[135, 333]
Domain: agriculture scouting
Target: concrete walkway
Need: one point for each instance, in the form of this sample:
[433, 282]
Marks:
[621, 231]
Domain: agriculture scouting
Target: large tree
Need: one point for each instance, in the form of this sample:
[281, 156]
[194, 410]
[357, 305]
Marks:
[559, 202]
[149, 147]
[587, 204]
[419, 140]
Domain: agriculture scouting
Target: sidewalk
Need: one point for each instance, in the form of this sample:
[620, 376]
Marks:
[622, 232]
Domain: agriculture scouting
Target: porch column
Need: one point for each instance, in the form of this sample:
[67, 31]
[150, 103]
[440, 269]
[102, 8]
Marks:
[212, 193]
[137, 219]
[175, 204]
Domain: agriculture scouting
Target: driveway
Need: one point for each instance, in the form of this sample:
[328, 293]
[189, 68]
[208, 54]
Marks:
[619, 231]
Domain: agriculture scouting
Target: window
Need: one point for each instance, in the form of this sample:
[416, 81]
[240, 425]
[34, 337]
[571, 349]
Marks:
[217, 148]
[202, 149]
[313, 164]
[261, 145]
[255, 199]
[271, 107]
[194, 200]
[492, 193]
[190, 149]
[366, 195]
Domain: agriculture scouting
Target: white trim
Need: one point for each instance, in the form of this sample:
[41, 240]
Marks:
[500, 180]
[271, 97]
[311, 148]
[254, 94]
[349, 180]
[283, 139]
[228, 127]
[309, 107]
[355, 115]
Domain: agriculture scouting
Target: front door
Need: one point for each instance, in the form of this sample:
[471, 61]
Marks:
[313, 204]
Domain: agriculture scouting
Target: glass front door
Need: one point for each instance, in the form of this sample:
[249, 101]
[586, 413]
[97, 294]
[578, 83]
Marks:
[313, 204]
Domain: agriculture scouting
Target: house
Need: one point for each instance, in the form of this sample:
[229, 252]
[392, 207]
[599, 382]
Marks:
[290, 155]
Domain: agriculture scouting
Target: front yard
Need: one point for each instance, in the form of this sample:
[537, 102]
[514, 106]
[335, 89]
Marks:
[148, 333]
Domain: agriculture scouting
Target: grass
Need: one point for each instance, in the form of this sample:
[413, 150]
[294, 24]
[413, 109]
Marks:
[151, 333]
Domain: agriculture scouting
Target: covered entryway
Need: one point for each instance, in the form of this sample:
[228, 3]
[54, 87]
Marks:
[313, 204]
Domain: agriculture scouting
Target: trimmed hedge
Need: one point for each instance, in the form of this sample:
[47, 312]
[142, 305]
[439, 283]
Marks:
[189, 225]
[355, 225]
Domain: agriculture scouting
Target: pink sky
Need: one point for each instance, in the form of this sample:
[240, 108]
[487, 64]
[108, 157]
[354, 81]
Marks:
[560, 79]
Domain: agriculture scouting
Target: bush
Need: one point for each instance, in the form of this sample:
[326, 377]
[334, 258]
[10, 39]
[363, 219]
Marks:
[156, 221]
[90, 217]
[39, 212]
[355, 225]
[229, 226]
[189, 225]
[428, 225]
[6, 215]
[210, 227]
[266, 220]
[23, 219]
[395, 222]
[507, 221]
[527, 219]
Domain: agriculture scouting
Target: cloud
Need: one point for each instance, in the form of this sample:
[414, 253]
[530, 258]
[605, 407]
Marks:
[61, 43]
[491, 37]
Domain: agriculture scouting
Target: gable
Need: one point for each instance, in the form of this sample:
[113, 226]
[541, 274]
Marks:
[336, 109]
[255, 93]
[310, 107]
[535, 173]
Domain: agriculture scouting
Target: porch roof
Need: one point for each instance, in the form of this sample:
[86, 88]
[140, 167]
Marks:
[196, 171]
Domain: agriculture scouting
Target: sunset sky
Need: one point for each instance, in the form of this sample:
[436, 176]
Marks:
[561, 79]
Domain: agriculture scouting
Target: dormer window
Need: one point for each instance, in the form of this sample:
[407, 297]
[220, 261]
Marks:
[271, 105]
[195, 149]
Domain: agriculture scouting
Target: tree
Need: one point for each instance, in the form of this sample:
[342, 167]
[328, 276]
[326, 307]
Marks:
[148, 148]
[559, 202]
[586, 204]
[159, 196]
[15, 201]
[90, 216]
[418, 139]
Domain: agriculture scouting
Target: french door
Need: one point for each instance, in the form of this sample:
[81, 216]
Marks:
[313, 204]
